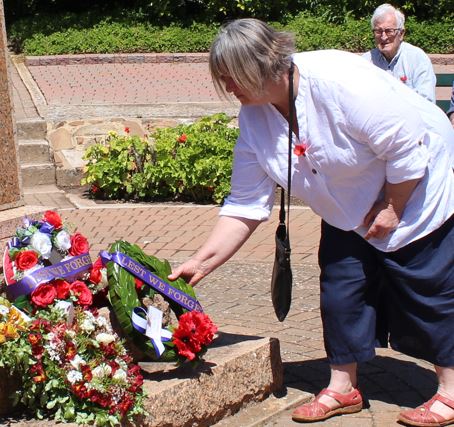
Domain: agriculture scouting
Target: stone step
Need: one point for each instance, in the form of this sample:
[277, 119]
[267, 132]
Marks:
[31, 129]
[37, 174]
[34, 151]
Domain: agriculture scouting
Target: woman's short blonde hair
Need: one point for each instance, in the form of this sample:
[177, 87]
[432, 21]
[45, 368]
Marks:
[250, 52]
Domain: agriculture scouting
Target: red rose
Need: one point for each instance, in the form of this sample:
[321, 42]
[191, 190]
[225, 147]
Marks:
[79, 245]
[81, 291]
[95, 273]
[26, 259]
[44, 295]
[62, 288]
[53, 218]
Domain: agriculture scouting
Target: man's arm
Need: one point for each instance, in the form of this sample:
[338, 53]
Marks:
[425, 80]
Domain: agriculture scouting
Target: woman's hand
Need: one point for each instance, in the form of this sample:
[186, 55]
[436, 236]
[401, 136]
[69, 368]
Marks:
[381, 220]
[385, 215]
[192, 271]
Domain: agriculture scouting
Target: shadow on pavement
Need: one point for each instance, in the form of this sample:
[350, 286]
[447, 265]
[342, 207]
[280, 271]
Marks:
[391, 380]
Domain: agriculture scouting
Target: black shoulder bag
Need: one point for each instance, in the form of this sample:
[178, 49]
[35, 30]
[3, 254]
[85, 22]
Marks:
[281, 280]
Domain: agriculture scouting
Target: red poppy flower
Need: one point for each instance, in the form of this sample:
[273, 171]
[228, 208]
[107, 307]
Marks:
[183, 138]
[300, 149]
[127, 130]
[138, 283]
[195, 331]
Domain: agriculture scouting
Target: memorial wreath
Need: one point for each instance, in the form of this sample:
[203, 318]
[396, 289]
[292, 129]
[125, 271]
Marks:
[143, 302]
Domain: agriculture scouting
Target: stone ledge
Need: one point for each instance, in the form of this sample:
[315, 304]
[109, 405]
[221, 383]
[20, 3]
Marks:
[137, 58]
[238, 370]
[120, 58]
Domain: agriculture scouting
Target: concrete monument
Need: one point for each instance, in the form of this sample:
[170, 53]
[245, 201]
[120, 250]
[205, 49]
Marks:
[10, 186]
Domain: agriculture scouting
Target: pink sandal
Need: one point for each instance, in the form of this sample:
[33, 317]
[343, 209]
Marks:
[315, 411]
[422, 416]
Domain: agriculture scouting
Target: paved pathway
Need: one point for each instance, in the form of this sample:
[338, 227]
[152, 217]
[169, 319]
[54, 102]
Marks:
[237, 294]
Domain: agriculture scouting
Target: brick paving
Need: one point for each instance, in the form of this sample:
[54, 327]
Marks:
[119, 83]
[237, 294]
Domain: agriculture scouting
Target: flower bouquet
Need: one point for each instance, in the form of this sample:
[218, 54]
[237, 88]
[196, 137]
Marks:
[73, 368]
[143, 304]
[71, 365]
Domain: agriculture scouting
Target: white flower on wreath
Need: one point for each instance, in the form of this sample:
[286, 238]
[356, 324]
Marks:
[74, 376]
[77, 361]
[120, 375]
[41, 243]
[104, 338]
[88, 323]
[63, 240]
[102, 322]
[102, 371]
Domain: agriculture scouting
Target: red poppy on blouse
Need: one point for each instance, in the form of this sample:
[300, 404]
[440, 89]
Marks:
[300, 149]
[403, 79]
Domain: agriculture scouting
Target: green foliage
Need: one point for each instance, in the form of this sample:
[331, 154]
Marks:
[188, 162]
[323, 26]
[313, 33]
[116, 37]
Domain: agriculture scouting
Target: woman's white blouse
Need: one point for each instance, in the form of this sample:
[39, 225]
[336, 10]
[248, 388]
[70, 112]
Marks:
[362, 127]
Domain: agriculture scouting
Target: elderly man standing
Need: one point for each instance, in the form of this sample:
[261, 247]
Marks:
[404, 61]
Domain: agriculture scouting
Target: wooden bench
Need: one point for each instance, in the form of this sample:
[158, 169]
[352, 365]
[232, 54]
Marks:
[444, 80]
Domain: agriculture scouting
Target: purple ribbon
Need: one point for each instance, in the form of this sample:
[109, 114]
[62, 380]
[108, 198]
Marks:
[14, 243]
[164, 288]
[61, 270]
[46, 228]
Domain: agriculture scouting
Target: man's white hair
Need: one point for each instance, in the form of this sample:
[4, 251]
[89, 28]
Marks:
[386, 9]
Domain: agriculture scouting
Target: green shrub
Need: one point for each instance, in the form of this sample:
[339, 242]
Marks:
[129, 32]
[116, 37]
[188, 162]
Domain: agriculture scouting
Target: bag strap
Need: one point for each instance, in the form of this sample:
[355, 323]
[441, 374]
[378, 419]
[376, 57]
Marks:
[291, 105]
